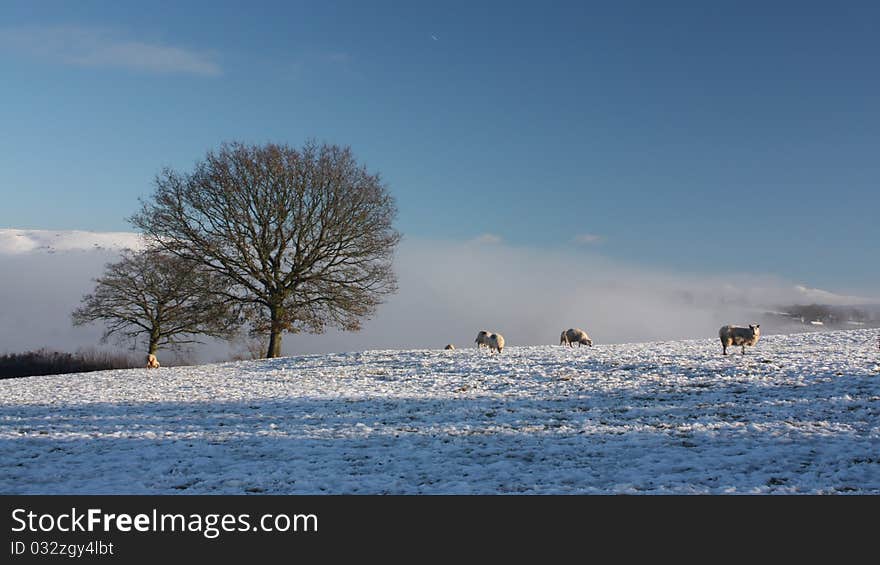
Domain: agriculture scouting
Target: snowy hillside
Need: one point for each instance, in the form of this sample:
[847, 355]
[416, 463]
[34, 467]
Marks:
[796, 414]
[17, 241]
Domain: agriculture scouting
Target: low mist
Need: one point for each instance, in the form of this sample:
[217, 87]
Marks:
[448, 292]
[451, 290]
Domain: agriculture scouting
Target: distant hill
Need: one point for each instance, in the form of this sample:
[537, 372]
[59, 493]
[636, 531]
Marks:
[828, 315]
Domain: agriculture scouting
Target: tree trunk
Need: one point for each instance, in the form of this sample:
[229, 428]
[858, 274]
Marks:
[274, 344]
[154, 343]
[275, 334]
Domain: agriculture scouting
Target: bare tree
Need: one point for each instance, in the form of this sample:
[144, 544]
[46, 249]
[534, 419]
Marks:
[248, 348]
[160, 298]
[305, 236]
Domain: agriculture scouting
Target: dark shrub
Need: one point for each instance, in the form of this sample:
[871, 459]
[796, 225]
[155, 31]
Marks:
[45, 362]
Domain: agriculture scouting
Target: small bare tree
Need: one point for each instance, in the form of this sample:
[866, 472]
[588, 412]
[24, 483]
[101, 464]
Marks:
[248, 348]
[159, 298]
[304, 236]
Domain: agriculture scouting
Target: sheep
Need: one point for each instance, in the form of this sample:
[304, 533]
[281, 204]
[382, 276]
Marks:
[482, 339]
[490, 339]
[736, 335]
[575, 335]
[496, 342]
[449, 347]
[152, 362]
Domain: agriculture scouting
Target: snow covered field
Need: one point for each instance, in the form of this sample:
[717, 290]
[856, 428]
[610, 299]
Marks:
[797, 414]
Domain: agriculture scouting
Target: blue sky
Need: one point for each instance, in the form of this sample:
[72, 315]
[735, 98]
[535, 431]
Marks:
[706, 137]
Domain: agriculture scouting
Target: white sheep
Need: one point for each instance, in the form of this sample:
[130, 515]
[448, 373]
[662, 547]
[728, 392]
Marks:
[152, 362]
[496, 342]
[575, 335]
[482, 339]
[736, 335]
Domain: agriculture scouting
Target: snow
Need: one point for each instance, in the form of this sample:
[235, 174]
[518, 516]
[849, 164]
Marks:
[19, 241]
[797, 414]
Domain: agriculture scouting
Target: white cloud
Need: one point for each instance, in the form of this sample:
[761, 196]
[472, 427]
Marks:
[15, 241]
[587, 238]
[93, 47]
[490, 238]
[807, 295]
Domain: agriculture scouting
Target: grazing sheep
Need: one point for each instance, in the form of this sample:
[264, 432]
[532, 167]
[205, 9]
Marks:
[152, 362]
[482, 339]
[736, 335]
[575, 335]
[496, 342]
[449, 347]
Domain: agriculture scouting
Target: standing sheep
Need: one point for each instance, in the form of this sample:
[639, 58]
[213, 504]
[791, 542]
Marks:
[575, 335]
[736, 335]
[496, 342]
[482, 339]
